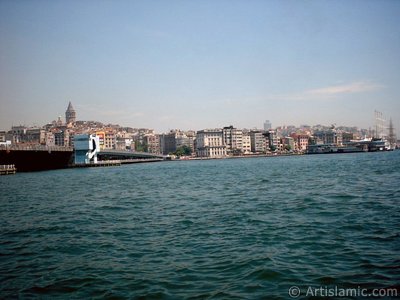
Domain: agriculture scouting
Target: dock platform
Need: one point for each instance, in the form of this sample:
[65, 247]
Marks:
[7, 169]
[112, 163]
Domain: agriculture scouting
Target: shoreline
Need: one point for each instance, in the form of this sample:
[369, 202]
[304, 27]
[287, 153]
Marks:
[273, 155]
[29, 168]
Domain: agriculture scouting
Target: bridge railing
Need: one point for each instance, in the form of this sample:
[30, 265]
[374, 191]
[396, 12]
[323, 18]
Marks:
[35, 148]
[7, 167]
[128, 152]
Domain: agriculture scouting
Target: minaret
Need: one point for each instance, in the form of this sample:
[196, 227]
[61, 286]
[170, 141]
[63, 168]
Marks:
[70, 114]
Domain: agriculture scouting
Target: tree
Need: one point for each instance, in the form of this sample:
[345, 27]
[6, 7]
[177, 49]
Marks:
[141, 147]
[237, 152]
[183, 151]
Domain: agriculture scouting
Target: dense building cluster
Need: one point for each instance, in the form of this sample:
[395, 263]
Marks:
[210, 143]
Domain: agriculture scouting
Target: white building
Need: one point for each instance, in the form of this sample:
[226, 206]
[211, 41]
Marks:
[233, 140]
[246, 143]
[210, 143]
[272, 140]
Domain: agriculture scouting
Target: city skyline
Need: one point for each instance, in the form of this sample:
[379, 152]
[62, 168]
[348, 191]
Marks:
[381, 125]
[194, 65]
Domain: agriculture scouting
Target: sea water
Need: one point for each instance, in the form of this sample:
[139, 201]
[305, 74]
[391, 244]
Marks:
[212, 229]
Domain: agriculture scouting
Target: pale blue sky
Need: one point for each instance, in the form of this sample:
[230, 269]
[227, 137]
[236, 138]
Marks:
[199, 64]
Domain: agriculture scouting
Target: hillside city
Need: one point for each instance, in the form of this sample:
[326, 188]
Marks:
[205, 143]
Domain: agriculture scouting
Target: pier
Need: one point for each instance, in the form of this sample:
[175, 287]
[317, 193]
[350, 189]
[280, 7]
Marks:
[114, 163]
[7, 169]
[107, 163]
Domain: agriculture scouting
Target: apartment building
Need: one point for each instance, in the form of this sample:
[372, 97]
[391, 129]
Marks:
[210, 143]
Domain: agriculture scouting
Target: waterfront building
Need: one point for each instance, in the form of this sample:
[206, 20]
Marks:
[171, 141]
[168, 142]
[124, 141]
[272, 140]
[257, 140]
[183, 138]
[70, 114]
[301, 140]
[109, 139]
[188, 140]
[102, 136]
[18, 133]
[246, 143]
[152, 143]
[289, 144]
[71, 141]
[35, 136]
[61, 137]
[330, 136]
[120, 143]
[23, 134]
[209, 143]
[233, 140]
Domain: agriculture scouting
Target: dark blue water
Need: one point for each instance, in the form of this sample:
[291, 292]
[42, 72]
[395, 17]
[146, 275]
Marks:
[218, 229]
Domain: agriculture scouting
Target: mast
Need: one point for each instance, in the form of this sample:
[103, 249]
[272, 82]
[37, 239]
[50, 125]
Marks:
[392, 135]
[379, 125]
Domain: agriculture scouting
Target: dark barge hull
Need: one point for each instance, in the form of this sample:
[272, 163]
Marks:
[36, 160]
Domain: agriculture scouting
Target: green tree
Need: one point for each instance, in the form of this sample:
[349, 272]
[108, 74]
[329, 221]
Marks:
[141, 147]
[183, 151]
[237, 152]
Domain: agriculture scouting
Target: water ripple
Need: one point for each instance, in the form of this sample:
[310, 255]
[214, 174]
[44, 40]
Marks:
[223, 229]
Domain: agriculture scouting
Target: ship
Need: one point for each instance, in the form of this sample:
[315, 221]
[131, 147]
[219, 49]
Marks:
[366, 145]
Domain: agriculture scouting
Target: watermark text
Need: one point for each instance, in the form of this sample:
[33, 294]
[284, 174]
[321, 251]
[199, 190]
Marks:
[335, 291]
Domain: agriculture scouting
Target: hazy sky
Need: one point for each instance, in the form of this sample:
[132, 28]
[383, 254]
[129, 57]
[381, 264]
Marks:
[200, 64]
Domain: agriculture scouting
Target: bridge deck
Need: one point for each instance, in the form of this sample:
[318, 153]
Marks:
[108, 154]
[128, 154]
